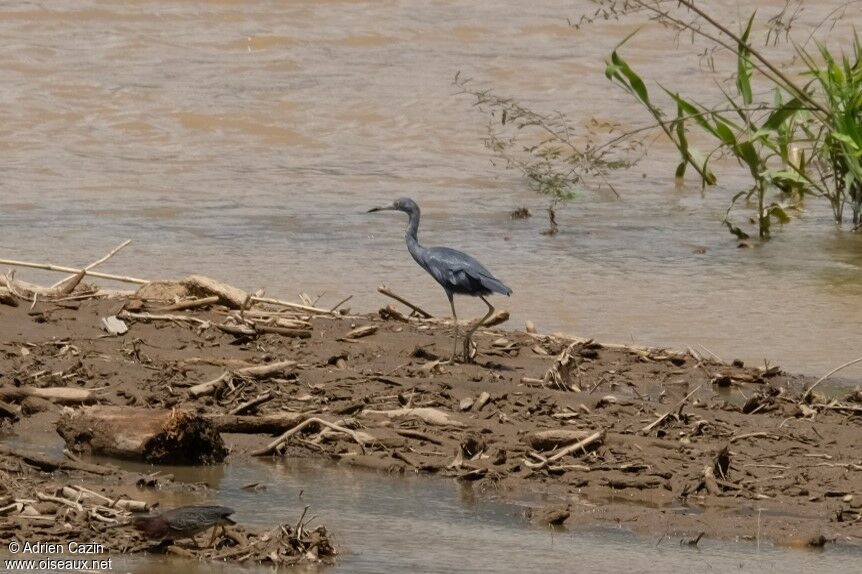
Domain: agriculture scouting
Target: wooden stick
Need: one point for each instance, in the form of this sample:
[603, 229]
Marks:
[62, 269]
[656, 422]
[385, 291]
[289, 305]
[58, 394]
[258, 400]
[595, 437]
[113, 252]
[209, 387]
[191, 304]
[748, 435]
[48, 465]
[271, 447]
[256, 372]
[827, 375]
[152, 317]
[263, 424]
[340, 303]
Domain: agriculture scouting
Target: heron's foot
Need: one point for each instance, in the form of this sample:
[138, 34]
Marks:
[469, 351]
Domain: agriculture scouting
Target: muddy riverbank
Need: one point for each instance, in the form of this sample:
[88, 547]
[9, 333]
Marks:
[658, 441]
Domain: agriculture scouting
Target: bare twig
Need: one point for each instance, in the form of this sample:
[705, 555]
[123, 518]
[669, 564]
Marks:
[658, 421]
[191, 304]
[271, 447]
[595, 437]
[259, 400]
[113, 252]
[827, 375]
[386, 291]
[62, 269]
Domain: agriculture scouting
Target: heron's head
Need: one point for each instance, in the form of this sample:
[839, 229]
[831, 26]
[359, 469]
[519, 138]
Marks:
[404, 204]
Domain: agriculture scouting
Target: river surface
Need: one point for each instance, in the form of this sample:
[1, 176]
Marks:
[245, 140]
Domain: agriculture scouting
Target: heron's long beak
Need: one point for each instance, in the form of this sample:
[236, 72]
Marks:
[381, 208]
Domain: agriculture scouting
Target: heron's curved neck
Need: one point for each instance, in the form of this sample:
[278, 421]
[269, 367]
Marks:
[412, 234]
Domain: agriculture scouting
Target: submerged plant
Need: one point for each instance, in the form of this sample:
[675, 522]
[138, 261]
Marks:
[796, 135]
[806, 141]
[556, 158]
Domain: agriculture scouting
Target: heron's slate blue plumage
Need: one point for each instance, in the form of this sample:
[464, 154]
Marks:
[457, 272]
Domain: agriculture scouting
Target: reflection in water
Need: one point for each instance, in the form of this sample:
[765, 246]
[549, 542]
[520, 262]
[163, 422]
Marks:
[245, 140]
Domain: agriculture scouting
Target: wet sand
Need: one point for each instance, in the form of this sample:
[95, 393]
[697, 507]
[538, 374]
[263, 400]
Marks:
[738, 443]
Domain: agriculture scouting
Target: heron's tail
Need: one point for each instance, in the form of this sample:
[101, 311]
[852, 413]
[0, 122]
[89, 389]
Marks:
[495, 285]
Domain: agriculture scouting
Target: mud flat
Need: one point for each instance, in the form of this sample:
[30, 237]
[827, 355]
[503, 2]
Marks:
[675, 443]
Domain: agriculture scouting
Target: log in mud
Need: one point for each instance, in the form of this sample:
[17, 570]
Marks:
[615, 434]
[157, 436]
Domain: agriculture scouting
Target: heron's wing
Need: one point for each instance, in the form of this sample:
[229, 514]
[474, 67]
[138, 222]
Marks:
[461, 272]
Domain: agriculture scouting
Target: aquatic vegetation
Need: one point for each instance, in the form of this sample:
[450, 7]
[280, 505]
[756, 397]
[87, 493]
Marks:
[806, 141]
[556, 158]
[794, 127]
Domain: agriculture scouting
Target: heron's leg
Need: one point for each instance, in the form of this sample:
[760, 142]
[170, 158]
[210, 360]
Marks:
[213, 537]
[455, 319]
[469, 337]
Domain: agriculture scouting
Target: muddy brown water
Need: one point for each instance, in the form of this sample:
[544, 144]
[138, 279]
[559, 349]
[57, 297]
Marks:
[246, 140]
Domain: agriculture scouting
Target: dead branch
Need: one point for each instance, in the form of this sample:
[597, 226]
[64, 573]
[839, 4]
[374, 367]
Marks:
[258, 400]
[62, 269]
[153, 317]
[96, 263]
[826, 376]
[191, 304]
[271, 447]
[659, 420]
[256, 372]
[57, 394]
[289, 305]
[596, 437]
[386, 291]
[429, 415]
[259, 424]
[229, 295]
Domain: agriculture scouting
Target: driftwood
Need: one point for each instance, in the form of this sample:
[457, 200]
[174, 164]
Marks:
[161, 317]
[155, 435]
[256, 372]
[31, 291]
[427, 414]
[360, 438]
[289, 305]
[807, 392]
[496, 319]
[385, 291]
[551, 439]
[659, 420]
[191, 304]
[228, 295]
[593, 439]
[253, 403]
[56, 394]
[95, 263]
[359, 332]
[49, 465]
[7, 298]
[263, 424]
[560, 374]
[62, 269]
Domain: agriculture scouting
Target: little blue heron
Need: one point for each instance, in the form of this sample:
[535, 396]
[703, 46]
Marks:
[185, 522]
[455, 271]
